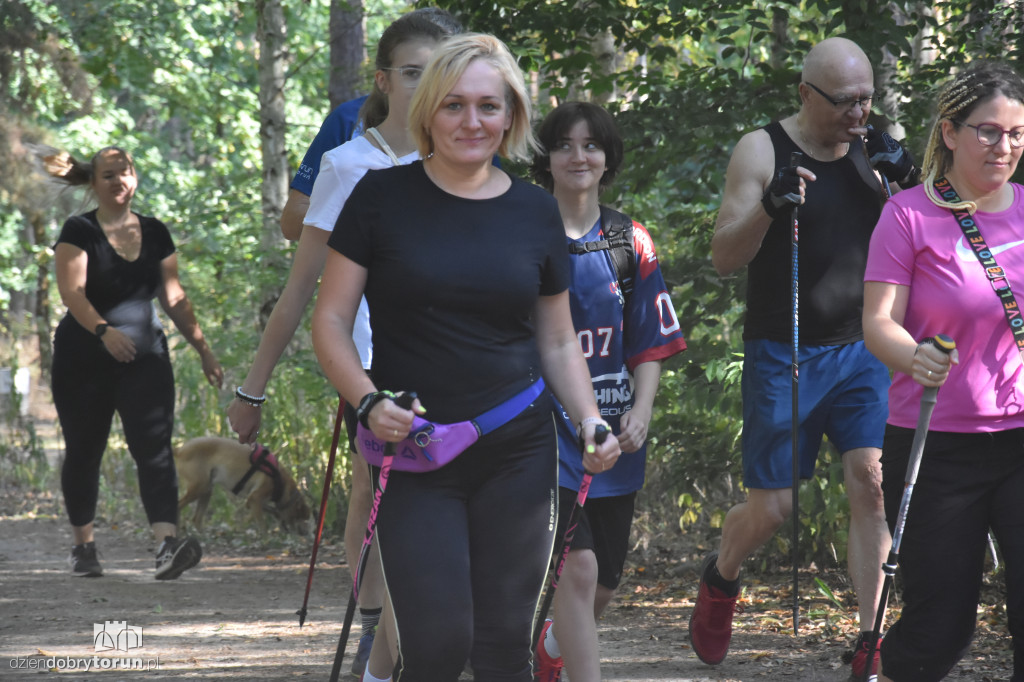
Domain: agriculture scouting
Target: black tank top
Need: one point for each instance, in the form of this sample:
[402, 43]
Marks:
[836, 221]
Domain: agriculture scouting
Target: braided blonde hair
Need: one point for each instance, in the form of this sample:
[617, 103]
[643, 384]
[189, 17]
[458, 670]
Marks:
[978, 83]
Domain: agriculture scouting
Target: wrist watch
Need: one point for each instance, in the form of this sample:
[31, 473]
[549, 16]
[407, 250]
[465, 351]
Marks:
[101, 329]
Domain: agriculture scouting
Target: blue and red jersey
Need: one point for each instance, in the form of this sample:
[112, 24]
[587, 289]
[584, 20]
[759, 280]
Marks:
[616, 336]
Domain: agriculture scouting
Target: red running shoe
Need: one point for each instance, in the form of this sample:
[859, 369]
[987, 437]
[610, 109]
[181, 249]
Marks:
[860, 658]
[711, 621]
[548, 669]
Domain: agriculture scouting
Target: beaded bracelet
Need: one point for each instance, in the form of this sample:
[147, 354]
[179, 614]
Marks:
[253, 400]
[589, 420]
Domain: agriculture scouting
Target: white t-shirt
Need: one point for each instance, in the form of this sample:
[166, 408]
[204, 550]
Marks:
[340, 169]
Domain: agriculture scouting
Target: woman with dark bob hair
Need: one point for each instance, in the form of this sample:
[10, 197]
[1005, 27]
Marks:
[626, 326]
[932, 269]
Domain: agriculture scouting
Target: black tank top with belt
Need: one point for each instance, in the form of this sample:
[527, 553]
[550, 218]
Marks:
[836, 221]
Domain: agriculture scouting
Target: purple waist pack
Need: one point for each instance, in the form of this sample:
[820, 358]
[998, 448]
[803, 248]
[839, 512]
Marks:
[430, 446]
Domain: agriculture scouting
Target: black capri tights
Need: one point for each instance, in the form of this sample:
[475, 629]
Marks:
[88, 387]
[464, 551]
[967, 484]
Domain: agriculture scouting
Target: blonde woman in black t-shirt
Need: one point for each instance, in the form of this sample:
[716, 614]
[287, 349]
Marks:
[466, 275]
[110, 355]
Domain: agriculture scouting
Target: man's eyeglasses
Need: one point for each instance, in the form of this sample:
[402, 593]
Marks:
[410, 74]
[989, 134]
[847, 104]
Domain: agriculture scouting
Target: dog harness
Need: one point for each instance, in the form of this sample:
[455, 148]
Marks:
[262, 459]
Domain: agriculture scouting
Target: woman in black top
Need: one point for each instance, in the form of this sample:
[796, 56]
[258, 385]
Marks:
[466, 276]
[110, 354]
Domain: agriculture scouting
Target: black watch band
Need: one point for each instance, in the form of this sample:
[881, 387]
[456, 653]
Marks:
[367, 403]
[101, 329]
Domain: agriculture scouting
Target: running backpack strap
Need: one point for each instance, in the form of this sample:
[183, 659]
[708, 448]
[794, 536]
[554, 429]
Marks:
[618, 231]
[618, 240]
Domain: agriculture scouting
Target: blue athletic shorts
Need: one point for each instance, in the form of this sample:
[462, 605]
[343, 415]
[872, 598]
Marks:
[843, 394]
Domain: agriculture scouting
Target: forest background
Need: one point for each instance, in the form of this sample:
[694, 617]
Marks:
[219, 99]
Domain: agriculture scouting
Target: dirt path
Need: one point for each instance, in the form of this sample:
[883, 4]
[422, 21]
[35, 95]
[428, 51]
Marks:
[233, 618]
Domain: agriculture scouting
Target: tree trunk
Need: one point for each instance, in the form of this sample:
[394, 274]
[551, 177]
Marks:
[781, 42]
[271, 29]
[271, 32]
[606, 57]
[348, 51]
[862, 17]
[42, 304]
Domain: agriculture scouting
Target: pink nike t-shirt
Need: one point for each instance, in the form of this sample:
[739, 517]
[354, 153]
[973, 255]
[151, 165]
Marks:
[921, 246]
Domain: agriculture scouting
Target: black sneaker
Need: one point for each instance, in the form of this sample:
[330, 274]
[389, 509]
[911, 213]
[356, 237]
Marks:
[175, 556]
[84, 561]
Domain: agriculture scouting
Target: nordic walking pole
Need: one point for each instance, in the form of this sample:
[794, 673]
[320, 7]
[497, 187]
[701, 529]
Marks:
[928, 398]
[323, 507]
[794, 160]
[404, 401]
[600, 435]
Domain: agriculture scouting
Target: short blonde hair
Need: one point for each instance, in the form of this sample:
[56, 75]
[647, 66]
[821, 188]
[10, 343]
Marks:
[446, 66]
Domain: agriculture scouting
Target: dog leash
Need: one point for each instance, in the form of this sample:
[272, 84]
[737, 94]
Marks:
[323, 506]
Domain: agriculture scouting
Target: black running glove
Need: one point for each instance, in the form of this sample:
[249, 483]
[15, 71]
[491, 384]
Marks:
[783, 193]
[891, 158]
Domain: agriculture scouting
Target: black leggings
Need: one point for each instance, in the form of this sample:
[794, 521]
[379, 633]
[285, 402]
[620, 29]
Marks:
[88, 387]
[967, 483]
[465, 549]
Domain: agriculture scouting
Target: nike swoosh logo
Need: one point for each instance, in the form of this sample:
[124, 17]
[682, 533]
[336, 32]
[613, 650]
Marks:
[965, 252]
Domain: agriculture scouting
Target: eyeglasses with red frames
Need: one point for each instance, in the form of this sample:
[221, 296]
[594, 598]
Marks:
[989, 134]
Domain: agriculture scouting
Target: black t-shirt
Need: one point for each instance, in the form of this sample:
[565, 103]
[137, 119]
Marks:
[835, 222]
[122, 291]
[452, 285]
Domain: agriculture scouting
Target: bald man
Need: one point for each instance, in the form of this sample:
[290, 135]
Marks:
[842, 387]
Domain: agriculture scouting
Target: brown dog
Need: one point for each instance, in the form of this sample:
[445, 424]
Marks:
[249, 472]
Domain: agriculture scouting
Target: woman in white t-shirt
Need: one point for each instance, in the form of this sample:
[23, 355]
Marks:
[403, 51]
[925, 277]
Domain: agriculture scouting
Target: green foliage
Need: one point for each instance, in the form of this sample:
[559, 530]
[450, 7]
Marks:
[22, 451]
[174, 81]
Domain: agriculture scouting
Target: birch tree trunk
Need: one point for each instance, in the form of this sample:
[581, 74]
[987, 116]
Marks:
[271, 29]
[271, 32]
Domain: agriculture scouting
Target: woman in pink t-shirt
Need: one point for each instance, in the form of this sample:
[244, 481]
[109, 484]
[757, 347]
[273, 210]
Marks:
[930, 271]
